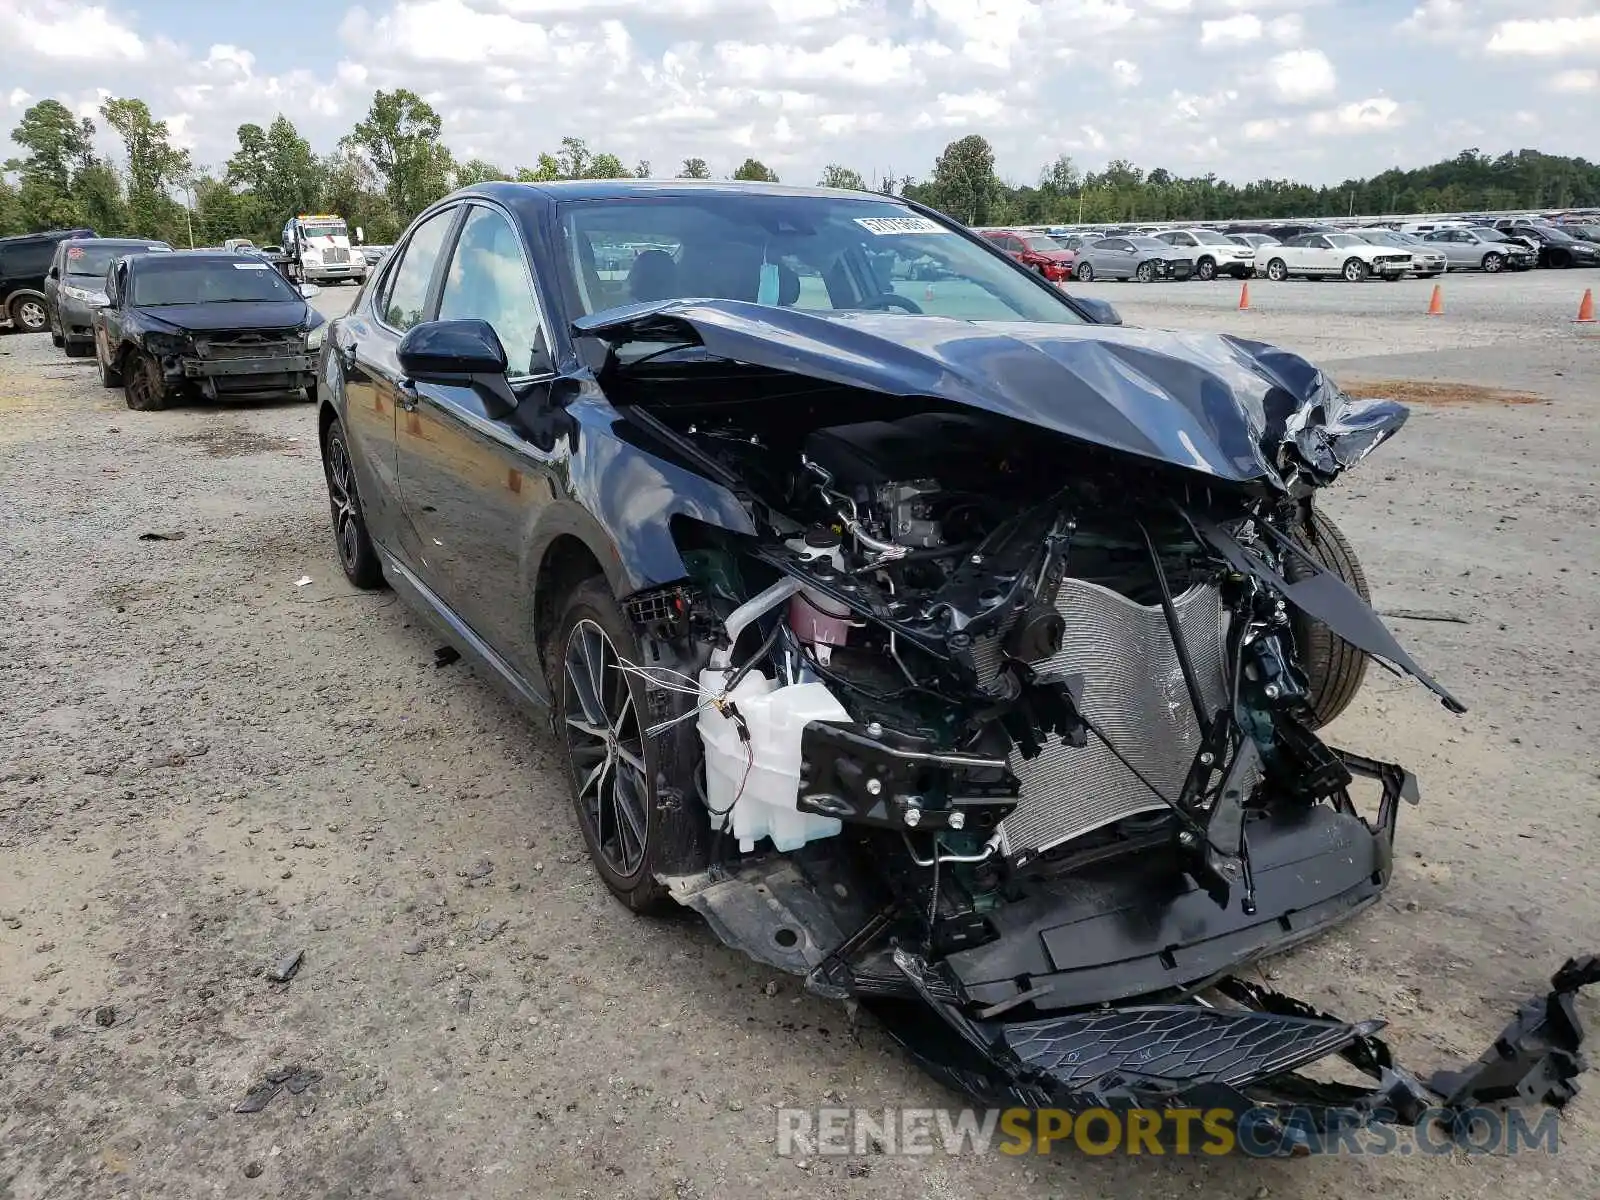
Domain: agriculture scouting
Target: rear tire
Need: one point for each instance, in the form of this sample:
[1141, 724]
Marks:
[1334, 668]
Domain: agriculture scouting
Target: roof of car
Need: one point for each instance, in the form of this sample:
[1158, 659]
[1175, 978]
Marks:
[221, 256]
[99, 241]
[619, 189]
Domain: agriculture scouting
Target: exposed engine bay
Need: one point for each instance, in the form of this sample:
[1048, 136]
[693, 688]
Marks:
[1003, 723]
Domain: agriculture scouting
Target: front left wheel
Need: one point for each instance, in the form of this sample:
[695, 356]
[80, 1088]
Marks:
[1334, 668]
[357, 555]
[142, 383]
[28, 315]
[600, 712]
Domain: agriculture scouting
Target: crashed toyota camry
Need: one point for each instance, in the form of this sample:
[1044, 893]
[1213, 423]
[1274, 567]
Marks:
[941, 641]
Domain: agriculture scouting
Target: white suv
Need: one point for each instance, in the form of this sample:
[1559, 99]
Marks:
[1213, 253]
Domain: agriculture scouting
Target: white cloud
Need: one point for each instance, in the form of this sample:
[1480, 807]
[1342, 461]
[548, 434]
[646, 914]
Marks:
[1573, 82]
[18, 98]
[852, 60]
[1380, 112]
[1125, 74]
[1265, 129]
[1300, 76]
[1547, 38]
[1231, 31]
[59, 29]
[1287, 29]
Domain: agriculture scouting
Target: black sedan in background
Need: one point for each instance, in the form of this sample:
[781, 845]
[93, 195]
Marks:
[1556, 247]
[215, 324]
[848, 594]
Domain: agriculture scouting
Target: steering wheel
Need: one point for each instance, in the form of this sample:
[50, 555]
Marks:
[890, 300]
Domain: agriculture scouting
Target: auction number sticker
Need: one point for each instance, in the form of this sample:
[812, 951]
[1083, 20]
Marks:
[888, 226]
[74, 251]
[249, 266]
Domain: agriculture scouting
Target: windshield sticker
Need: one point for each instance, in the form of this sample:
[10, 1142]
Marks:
[75, 252]
[889, 226]
[250, 267]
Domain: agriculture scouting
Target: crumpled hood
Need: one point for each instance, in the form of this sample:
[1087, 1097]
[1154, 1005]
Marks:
[1234, 409]
[214, 318]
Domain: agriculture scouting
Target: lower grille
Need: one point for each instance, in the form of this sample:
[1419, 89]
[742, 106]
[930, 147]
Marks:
[1133, 690]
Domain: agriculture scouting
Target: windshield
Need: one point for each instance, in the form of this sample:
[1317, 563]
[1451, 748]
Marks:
[814, 253]
[336, 229]
[1042, 244]
[180, 280]
[1150, 243]
[1344, 239]
[93, 261]
[1490, 235]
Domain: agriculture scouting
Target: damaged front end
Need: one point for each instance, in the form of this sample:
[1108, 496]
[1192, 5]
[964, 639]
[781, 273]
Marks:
[1006, 706]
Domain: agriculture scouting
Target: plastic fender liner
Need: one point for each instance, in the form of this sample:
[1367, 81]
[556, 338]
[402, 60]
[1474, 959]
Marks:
[1324, 597]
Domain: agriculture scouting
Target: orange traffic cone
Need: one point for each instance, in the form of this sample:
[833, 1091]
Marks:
[1436, 305]
[1586, 308]
[1244, 296]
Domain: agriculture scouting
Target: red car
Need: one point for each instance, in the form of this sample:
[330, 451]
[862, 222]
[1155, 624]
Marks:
[1034, 251]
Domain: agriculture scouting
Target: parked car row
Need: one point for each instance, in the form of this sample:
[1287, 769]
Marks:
[165, 323]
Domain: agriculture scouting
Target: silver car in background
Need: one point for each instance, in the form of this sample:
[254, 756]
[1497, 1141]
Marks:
[1214, 253]
[1426, 260]
[1480, 250]
[1133, 257]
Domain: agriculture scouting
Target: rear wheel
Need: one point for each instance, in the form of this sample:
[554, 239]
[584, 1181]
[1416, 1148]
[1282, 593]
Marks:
[611, 764]
[28, 315]
[1334, 668]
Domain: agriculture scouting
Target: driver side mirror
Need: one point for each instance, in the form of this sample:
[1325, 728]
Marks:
[464, 353]
[55, 272]
[1101, 312]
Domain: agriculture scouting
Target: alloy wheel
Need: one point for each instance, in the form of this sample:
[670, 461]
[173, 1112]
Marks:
[31, 316]
[606, 748]
[342, 494]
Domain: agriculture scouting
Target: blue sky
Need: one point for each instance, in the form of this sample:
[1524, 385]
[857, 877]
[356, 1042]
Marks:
[1308, 89]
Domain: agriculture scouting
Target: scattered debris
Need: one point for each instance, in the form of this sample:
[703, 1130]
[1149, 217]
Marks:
[295, 1078]
[487, 930]
[302, 581]
[105, 1016]
[301, 1080]
[479, 869]
[257, 1098]
[1425, 614]
[287, 968]
[156, 535]
[416, 947]
[445, 655]
[252, 1170]
[464, 1001]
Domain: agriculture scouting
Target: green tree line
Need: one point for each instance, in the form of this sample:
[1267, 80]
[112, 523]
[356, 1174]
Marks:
[394, 163]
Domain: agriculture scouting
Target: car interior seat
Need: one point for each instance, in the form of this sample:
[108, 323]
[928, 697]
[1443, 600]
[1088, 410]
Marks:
[653, 276]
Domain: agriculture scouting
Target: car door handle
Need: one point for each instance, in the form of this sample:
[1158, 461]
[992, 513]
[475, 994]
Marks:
[408, 395]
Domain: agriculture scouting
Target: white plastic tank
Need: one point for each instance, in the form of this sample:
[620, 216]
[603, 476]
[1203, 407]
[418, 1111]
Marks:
[757, 784]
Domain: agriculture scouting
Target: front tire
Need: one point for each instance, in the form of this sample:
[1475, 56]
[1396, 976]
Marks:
[1206, 269]
[1334, 668]
[143, 387]
[1493, 263]
[110, 377]
[1277, 270]
[611, 764]
[1085, 273]
[77, 349]
[357, 555]
[1354, 270]
[1145, 273]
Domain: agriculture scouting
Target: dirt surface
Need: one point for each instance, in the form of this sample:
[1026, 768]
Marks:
[206, 769]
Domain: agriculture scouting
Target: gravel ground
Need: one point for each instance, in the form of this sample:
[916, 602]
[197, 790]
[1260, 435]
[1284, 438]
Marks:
[206, 769]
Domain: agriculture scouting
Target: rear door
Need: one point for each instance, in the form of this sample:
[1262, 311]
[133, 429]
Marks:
[475, 484]
[378, 408]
